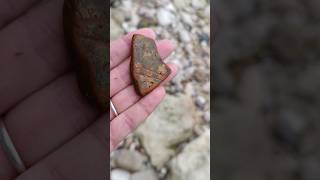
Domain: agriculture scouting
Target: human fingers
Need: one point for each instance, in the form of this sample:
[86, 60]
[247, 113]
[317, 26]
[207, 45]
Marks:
[128, 96]
[127, 121]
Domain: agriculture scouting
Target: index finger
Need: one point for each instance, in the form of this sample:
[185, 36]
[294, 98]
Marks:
[120, 49]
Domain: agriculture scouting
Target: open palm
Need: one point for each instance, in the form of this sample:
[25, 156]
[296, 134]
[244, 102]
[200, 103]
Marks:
[56, 132]
[132, 108]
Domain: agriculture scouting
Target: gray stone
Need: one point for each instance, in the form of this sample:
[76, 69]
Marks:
[187, 19]
[193, 162]
[199, 4]
[200, 102]
[184, 36]
[129, 160]
[165, 17]
[180, 4]
[206, 116]
[169, 125]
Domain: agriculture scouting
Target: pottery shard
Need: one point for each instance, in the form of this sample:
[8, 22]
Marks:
[147, 68]
[87, 37]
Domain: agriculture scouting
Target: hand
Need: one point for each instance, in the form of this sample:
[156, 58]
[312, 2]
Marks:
[56, 132]
[131, 107]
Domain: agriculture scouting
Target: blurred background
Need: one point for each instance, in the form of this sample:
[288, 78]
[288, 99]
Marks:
[266, 90]
[174, 142]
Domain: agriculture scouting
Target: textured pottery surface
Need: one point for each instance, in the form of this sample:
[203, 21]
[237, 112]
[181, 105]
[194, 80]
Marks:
[85, 25]
[147, 68]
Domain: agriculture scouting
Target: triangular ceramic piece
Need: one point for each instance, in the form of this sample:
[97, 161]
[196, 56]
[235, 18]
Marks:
[147, 68]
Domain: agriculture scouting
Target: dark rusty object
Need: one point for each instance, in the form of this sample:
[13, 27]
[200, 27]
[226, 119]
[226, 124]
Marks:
[86, 33]
[147, 68]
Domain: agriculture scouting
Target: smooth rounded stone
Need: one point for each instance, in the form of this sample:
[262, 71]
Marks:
[144, 175]
[119, 174]
[206, 116]
[165, 17]
[187, 18]
[199, 4]
[147, 68]
[200, 102]
[180, 4]
[193, 162]
[147, 22]
[206, 87]
[86, 27]
[129, 160]
[184, 36]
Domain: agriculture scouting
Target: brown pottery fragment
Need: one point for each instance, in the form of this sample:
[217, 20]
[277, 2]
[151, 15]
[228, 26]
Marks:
[147, 68]
[85, 26]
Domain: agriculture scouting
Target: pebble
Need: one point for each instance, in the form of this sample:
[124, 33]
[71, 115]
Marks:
[187, 19]
[180, 4]
[119, 174]
[206, 87]
[206, 116]
[129, 160]
[199, 4]
[184, 36]
[165, 17]
[200, 102]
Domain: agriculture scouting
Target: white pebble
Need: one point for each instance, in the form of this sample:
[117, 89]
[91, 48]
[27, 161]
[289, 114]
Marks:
[119, 174]
[165, 17]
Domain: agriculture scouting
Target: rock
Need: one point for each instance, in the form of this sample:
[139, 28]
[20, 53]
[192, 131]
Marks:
[87, 41]
[129, 160]
[206, 87]
[206, 116]
[147, 22]
[187, 19]
[115, 30]
[289, 127]
[184, 36]
[176, 116]
[199, 4]
[201, 75]
[180, 4]
[119, 174]
[193, 162]
[200, 102]
[117, 16]
[147, 68]
[203, 37]
[165, 17]
[144, 175]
